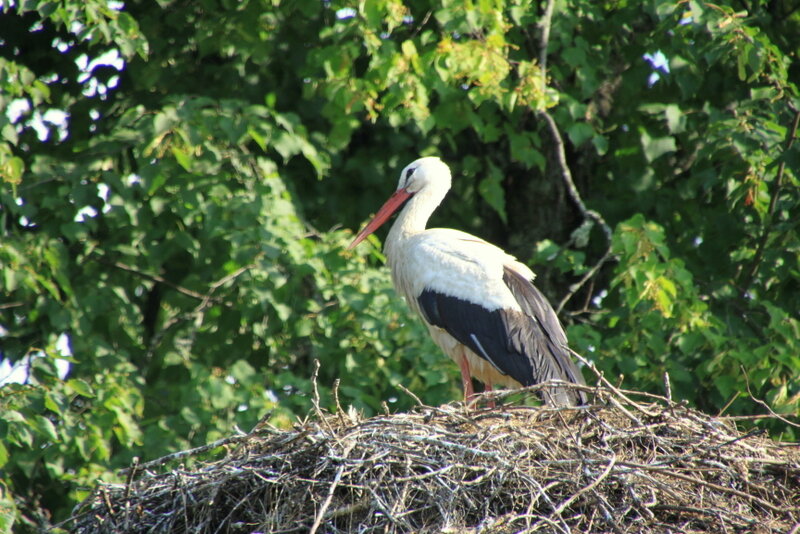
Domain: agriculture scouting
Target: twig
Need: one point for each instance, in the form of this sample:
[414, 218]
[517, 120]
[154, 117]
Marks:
[235, 274]
[667, 386]
[131, 474]
[499, 394]
[757, 417]
[419, 26]
[727, 404]
[315, 398]
[339, 410]
[107, 502]
[242, 502]
[328, 499]
[157, 278]
[411, 394]
[764, 404]
[590, 487]
[127, 494]
[761, 502]
[611, 386]
[183, 454]
[562, 524]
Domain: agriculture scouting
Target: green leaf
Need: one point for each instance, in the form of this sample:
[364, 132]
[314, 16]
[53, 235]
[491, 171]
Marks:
[600, 143]
[81, 387]
[676, 122]
[523, 150]
[182, 157]
[51, 403]
[654, 148]
[12, 416]
[492, 192]
[44, 427]
[579, 133]
[12, 169]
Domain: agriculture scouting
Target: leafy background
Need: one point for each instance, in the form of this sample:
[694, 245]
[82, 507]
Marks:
[180, 179]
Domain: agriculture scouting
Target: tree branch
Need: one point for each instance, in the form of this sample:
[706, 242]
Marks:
[770, 218]
[544, 38]
[566, 176]
[155, 278]
[561, 158]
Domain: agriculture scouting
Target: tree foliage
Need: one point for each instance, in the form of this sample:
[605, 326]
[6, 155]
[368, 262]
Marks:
[177, 177]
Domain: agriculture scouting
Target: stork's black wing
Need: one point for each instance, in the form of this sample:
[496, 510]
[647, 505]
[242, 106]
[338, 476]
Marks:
[550, 339]
[528, 345]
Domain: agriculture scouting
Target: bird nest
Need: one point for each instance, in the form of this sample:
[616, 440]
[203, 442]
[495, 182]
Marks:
[618, 465]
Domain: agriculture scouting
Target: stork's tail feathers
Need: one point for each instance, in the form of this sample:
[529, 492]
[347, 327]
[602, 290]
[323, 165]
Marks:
[563, 396]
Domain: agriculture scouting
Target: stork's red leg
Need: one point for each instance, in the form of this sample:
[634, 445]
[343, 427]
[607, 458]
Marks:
[466, 378]
[488, 388]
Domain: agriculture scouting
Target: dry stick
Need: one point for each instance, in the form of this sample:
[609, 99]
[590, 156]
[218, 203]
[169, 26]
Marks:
[184, 500]
[667, 386]
[543, 493]
[762, 403]
[653, 396]
[728, 404]
[328, 499]
[499, 394]
[590, 487]
[127, 494]
[540, 519]
[411, 394]
[107, 502]
[606, 508]
[380, 505]
[613, 388]
[339, 410]
[315, 398]
[188, 452]
[769, 506]
[224, 522]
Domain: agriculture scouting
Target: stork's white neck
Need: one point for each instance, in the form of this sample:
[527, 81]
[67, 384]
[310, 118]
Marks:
[413, 218]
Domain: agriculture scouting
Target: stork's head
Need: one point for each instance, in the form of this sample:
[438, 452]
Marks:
[424, 173]
[427, 178]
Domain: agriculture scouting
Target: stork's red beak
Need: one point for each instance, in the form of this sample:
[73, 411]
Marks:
[397, 199]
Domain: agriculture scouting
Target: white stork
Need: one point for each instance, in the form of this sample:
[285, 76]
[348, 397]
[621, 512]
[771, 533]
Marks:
[478, 302]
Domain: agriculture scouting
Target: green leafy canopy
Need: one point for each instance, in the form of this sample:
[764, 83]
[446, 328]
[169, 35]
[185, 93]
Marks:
[179, 210]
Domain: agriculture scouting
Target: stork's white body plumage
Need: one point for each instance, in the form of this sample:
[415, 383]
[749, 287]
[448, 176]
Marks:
[459, 265]
[477, 301]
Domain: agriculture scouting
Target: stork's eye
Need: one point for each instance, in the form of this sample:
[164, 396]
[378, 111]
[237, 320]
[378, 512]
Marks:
[409, 172]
